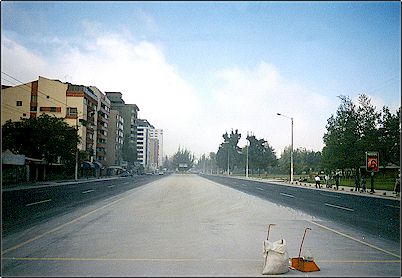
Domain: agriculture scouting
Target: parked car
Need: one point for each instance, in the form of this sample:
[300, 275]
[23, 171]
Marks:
[125, 174]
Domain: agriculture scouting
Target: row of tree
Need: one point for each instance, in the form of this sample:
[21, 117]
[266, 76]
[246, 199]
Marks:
[351, 132]
[356, 129]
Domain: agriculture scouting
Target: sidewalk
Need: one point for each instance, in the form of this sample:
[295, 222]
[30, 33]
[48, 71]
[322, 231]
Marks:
[342, 189]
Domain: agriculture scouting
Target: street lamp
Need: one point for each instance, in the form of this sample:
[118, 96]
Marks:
[228, 160]
[76, 153]
[291, 147]
[247, 159]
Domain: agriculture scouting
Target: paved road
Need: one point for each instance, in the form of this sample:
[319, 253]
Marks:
[375, 215]
[23, 208]
[186, 225]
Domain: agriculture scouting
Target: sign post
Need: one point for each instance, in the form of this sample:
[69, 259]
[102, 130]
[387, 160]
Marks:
[372, 162]
[372, 165]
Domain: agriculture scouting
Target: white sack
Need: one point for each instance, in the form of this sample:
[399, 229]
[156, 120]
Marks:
[276, 257]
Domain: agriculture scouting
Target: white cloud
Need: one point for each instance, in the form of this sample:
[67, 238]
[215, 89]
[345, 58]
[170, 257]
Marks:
[244, 99]
[250, 99]
[19, 62]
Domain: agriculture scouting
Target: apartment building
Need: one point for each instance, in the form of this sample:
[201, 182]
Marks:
[82, 105]
[115, 139]
[76, 103]
[144, 143]
[33, 99]
[129, 112]
[103, 111]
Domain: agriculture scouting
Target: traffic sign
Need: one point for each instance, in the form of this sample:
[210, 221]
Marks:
[372, 162]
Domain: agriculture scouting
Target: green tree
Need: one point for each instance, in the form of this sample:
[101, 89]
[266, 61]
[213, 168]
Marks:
[44, 137]
[183, 157]
[261, 155]
[368, 120]
[206, 164]
[389, 133]
[229, 150]
[355, 130]
[303, 161]
[341, 141]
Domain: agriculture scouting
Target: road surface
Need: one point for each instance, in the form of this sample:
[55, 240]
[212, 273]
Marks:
[187, 225]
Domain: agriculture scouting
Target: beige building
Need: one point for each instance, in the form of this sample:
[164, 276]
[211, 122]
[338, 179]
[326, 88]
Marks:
[33, 99]
[76, 103]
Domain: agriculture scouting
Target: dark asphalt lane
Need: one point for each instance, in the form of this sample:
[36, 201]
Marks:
[377, 216]
[25, 208]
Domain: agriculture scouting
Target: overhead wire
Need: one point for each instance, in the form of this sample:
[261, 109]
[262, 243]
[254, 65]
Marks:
[25, 84]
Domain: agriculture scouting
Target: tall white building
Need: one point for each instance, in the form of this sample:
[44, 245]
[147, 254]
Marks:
[143, 142]
[149, 145]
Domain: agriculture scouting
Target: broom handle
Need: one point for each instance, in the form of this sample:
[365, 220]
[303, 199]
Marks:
[269, 226]
[305, 230]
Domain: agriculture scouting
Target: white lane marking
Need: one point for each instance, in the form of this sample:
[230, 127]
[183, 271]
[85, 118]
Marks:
[339, 207]
[244, 184]
[334, 196]
[126, 183]
[110, 186]
[287, 195]
[355, 239]
[260, 188]
[40, 202]
[391, 206]
[88, 191]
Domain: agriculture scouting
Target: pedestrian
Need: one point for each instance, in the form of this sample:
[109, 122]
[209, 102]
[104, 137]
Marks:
[337, 181]
[357, 182]
[363, 183]
[317, 181]
[327, 181]
[372, 183]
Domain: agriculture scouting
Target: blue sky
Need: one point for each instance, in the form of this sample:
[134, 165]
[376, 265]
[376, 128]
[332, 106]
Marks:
[223, 65]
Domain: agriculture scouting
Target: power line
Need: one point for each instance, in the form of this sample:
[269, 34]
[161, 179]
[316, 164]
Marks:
[24, 84]
[15, 109]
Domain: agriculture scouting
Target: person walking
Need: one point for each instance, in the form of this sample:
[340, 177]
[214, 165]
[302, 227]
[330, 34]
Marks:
[357, 182]
[363, 183]
[317, 181]
[337, 181]
[372, 183]
[327, 181]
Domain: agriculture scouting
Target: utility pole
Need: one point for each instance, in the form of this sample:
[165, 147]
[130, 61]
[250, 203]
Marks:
[291, 146]
[76, 153]
[228, 158]
[247, 159]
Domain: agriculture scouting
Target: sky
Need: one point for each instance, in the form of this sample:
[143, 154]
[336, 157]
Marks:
[200, 69]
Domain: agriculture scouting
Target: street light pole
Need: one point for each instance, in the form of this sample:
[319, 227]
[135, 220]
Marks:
[247, 161]
[76, 153]
[228, 159]
[291, 146]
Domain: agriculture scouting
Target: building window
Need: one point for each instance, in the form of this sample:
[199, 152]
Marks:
[72, 111]
[19, 103]
[50, 109]
[34, 98]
